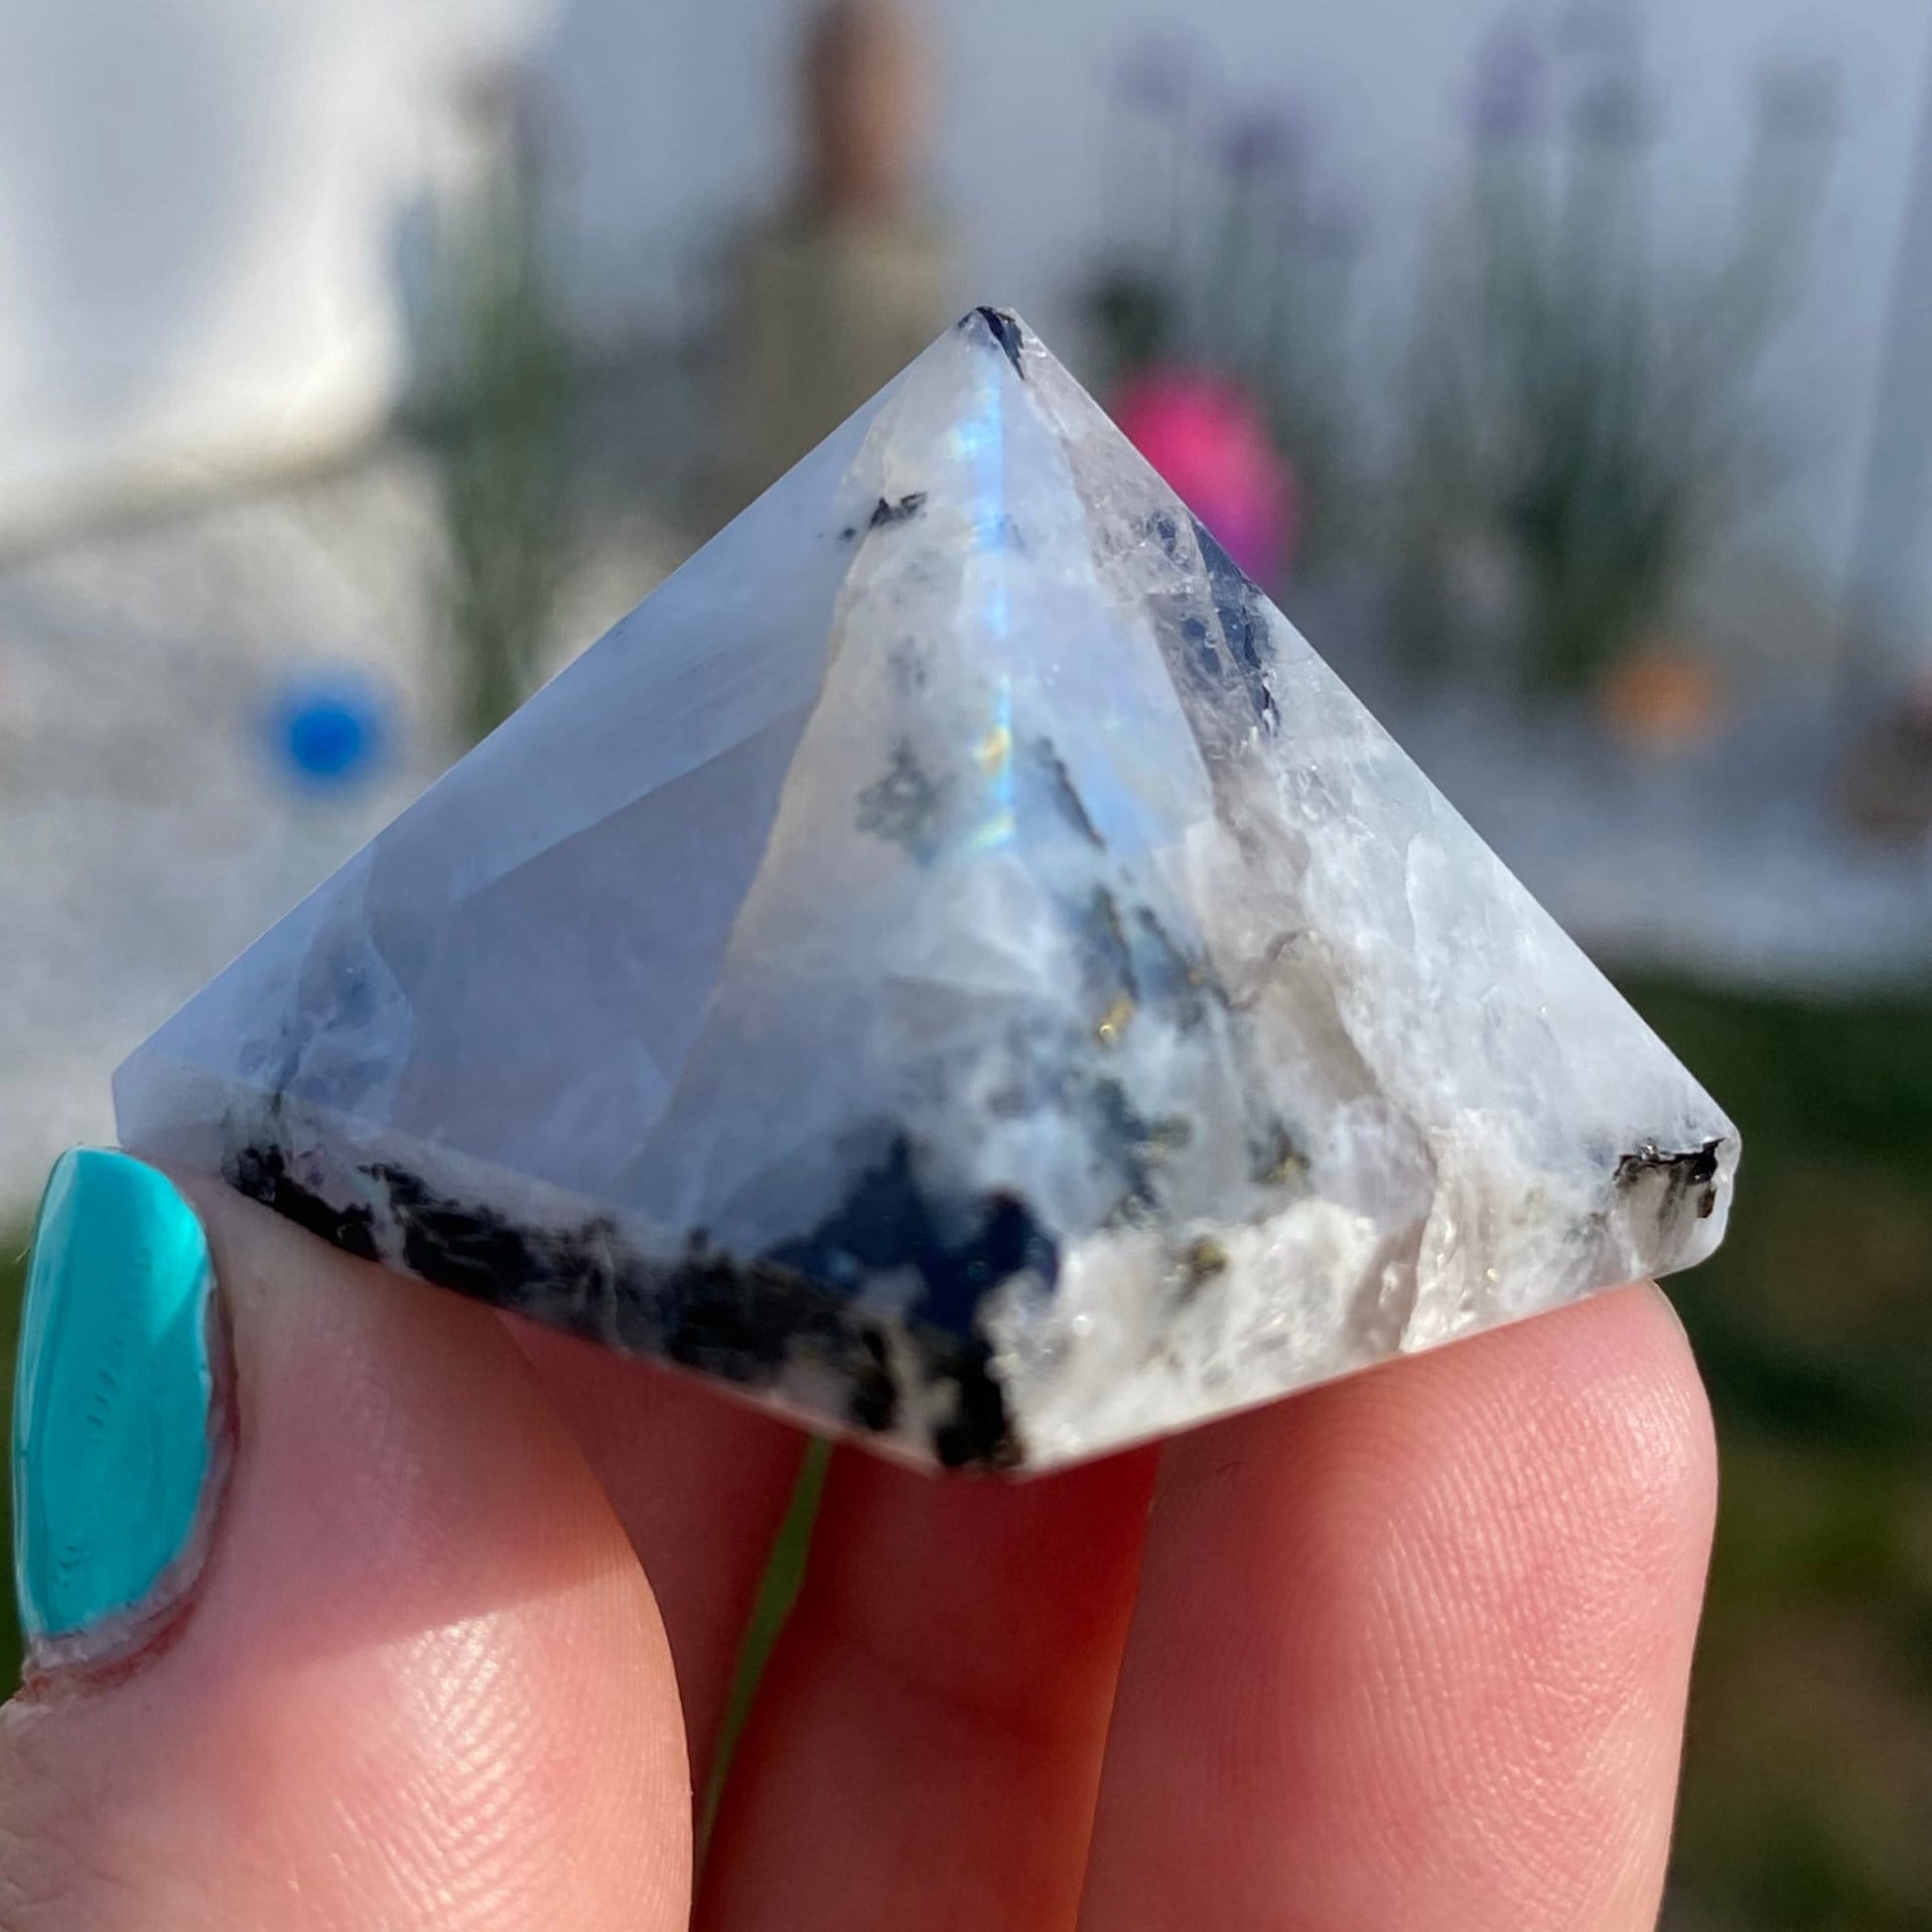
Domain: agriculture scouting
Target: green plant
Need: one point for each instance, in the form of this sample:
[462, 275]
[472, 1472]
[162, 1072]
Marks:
[1809, 1763]
[1583, 415]
[505, 381]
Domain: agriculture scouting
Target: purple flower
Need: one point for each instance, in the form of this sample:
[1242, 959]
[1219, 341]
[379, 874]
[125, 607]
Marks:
[1511, 98]
[1267, 137]
[1798, 99]
[1156, 72]
[1611, 110]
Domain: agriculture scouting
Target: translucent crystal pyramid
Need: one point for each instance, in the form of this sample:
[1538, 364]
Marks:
[956, 966]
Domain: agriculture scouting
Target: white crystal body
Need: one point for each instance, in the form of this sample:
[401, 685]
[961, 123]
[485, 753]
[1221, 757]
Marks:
[955, 965]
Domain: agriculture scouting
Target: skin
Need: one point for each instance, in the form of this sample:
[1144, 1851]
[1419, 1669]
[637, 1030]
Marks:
[1407, 1651]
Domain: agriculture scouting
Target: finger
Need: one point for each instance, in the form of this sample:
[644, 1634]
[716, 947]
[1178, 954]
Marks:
[418, 1679]
[700, 1485]
[1412, 1651]
[926, 1744]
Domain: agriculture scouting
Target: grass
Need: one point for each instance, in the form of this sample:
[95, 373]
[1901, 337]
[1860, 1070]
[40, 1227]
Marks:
[777, 1592]
[1809, 1766]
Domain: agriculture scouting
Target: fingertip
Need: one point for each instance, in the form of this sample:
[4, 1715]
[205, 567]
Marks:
[1413, 1649]
[1595, 1414]
[1626, 1403]
[421, 1679]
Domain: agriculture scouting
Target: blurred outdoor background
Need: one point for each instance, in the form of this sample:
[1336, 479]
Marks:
[1564, 369]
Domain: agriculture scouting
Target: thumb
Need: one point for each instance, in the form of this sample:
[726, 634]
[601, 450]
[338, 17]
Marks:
[331, 1624]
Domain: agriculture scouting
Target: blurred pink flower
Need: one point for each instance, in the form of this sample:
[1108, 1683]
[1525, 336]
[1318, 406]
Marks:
[1211, 446]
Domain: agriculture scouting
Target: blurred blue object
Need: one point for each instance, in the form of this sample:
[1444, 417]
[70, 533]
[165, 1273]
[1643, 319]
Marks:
[329, 730]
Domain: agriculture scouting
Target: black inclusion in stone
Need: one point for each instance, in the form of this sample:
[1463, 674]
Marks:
[1274, 1157]
[1103, 942]
[1691, 1173]
[1243, 616]
[1166, 974]
[889, 1221]
[1005, 330]
[979, 1433]
[1195, 630]
[887, 513]
[458, 1245]
[743, 1321]
[1166, 531]
[1131, 1141]
[903, 806]
[262, 1174]
[725, 1320]
[1061, 794]
[746, 1322]
[874, 1402]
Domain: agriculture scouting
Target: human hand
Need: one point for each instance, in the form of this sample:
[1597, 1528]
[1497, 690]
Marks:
[1405, 1654]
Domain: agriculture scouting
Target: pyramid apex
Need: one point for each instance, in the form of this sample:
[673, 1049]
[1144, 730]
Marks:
[1005, 330]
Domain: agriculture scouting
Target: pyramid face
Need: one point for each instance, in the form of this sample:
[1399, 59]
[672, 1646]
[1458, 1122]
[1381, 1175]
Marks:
[955, 966]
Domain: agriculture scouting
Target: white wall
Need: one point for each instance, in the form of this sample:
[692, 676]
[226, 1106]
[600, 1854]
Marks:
[197, 203]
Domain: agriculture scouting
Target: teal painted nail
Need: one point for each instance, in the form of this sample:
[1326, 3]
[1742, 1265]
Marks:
[113, 1394]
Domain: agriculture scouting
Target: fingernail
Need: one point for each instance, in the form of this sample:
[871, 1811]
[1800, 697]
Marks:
[114, 1408]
